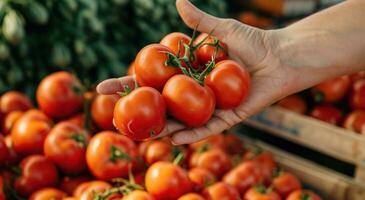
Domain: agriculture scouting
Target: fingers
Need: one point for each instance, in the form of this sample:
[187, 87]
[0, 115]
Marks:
[171, 127]
[114, 85]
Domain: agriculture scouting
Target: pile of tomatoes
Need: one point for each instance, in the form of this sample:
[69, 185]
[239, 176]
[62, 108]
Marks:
[339, 101]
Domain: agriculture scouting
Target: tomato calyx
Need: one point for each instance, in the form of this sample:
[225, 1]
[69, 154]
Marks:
[262, 189]
[117, 154]
[80, 139]
[305, 196]
[277, 172]
[318, 96]
[126, 90]
[178, 159]
[203, 148]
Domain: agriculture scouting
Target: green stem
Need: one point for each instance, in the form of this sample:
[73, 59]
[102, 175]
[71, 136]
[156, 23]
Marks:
[118, 154]
[178, 159]
[305, 196]
[80, 139]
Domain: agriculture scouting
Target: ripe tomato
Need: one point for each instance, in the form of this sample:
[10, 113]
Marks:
[102, 109]
[214, 160]
[261, 193]
[206, 51]
[249, 18]
[29, 132]
[220, 191]
[331, 91]
[264, 160]
[167, 181]
[69, 184]
[158, 151]
[191, 196]
[230, 83]
[12, 157]
[87, 190]
[59, 95]
[285, 183]
[66, 145]
[244, 176]
[150, 66]
[36, 172]
[303, 195]
[130, 71]
[138, 195]
[201, 178]
[47, 194]
[294, 103]
[357, 76]
[109, 154]
[211, 142]
[2, 184]
[234, 144]
[357, 97]
[9, 121]
[355, 121]
[141, 114]
[188, 101]
[4, 152]
[14, 101]
[327, 113]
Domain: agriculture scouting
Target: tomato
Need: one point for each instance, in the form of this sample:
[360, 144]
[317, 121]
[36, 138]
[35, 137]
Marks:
[243, 176]
[59, 95]
[285, 183]
[2, 193]
[4, 152]
[141, 114]
[47, 194]
[167, 181]
[249, 18]
[211, 142]
[357, 76]
[234, 144]
[14, 101]
[109, 154]
[214, 160]
[230, 83]
[355, 121]
[207, 50]
[87, 190]
[138, 195]
[36, 172]
[294, 103]
[261, 193]
[69, 184]
[264, 160]
[331, 91]
[150, 66]
[303, 195]
[102, 111]
[191, 196]
[187, 101]
[130, 70]
[66, 145]
[327, 113]
[29, 132]
[220, 191]
[158, 151]
[201, 178]
[357, 97]
[9, 121]
[12, 157]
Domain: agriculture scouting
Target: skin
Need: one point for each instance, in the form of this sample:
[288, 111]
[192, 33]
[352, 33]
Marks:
[281, 62]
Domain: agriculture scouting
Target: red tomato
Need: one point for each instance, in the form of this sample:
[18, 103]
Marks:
[187, 101]
[12, 158]
[141, 114]
[230, 83]
[220, 191]
[201, 178]
[167, 181]
[249, 18]
[211, 142]
[66, 145]
[244, 176]
[9, 121]
[261, 193]
[47, 194]
[59, 95]
[109, 154]
[87, 190]
[206, 51]
[357, 76]
[158, 151]
[138, 195]
[285, 183]
[2, 193]
[14, 101]
[234, 144]
[355, 121]
[36, 172]
[294, 103]
[102, 109]
[357, 97]
[264, 160]
[191, 196]
[130, 71]
[69, 184]
[327, 113]
[4, 152]
[332, 90]
[150, 66]
[303, 195]
[29, 132]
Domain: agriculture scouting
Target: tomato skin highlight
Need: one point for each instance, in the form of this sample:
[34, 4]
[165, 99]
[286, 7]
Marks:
[141, 114]
[357, 96]
[230, 83]
[294, 103]
[327, 113]
[332, 90]
[205, 51]
[9, 120]
[187, 101]
[47, 194]
[102, 109]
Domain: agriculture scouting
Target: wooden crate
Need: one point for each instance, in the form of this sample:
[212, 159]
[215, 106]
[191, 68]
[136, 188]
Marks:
[329, 184]
[334, 141]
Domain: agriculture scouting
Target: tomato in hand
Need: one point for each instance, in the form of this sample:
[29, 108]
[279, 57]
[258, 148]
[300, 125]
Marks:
[201, 178]
[264, 160]
[261, 193]
[138, 195]
[69, 184]
[355, 121]
[188, 101]
[9, 121]
[303, 195]
[14, 101]
[191, 196]
[167, 181]
[59, 95]
[209, 48]
[66, 145]
[109, 155]
[36, 172]
[294, 103]
[4, 152]
[327, 113]
[47, 194]
[211, 142]
[102, 109]
[331, 91]
[357, 96]
[220, 191]
[151, 68]
[230, 83]
[141, 114]
[284, 183]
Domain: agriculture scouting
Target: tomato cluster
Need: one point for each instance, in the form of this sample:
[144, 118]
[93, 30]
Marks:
[339, 101]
